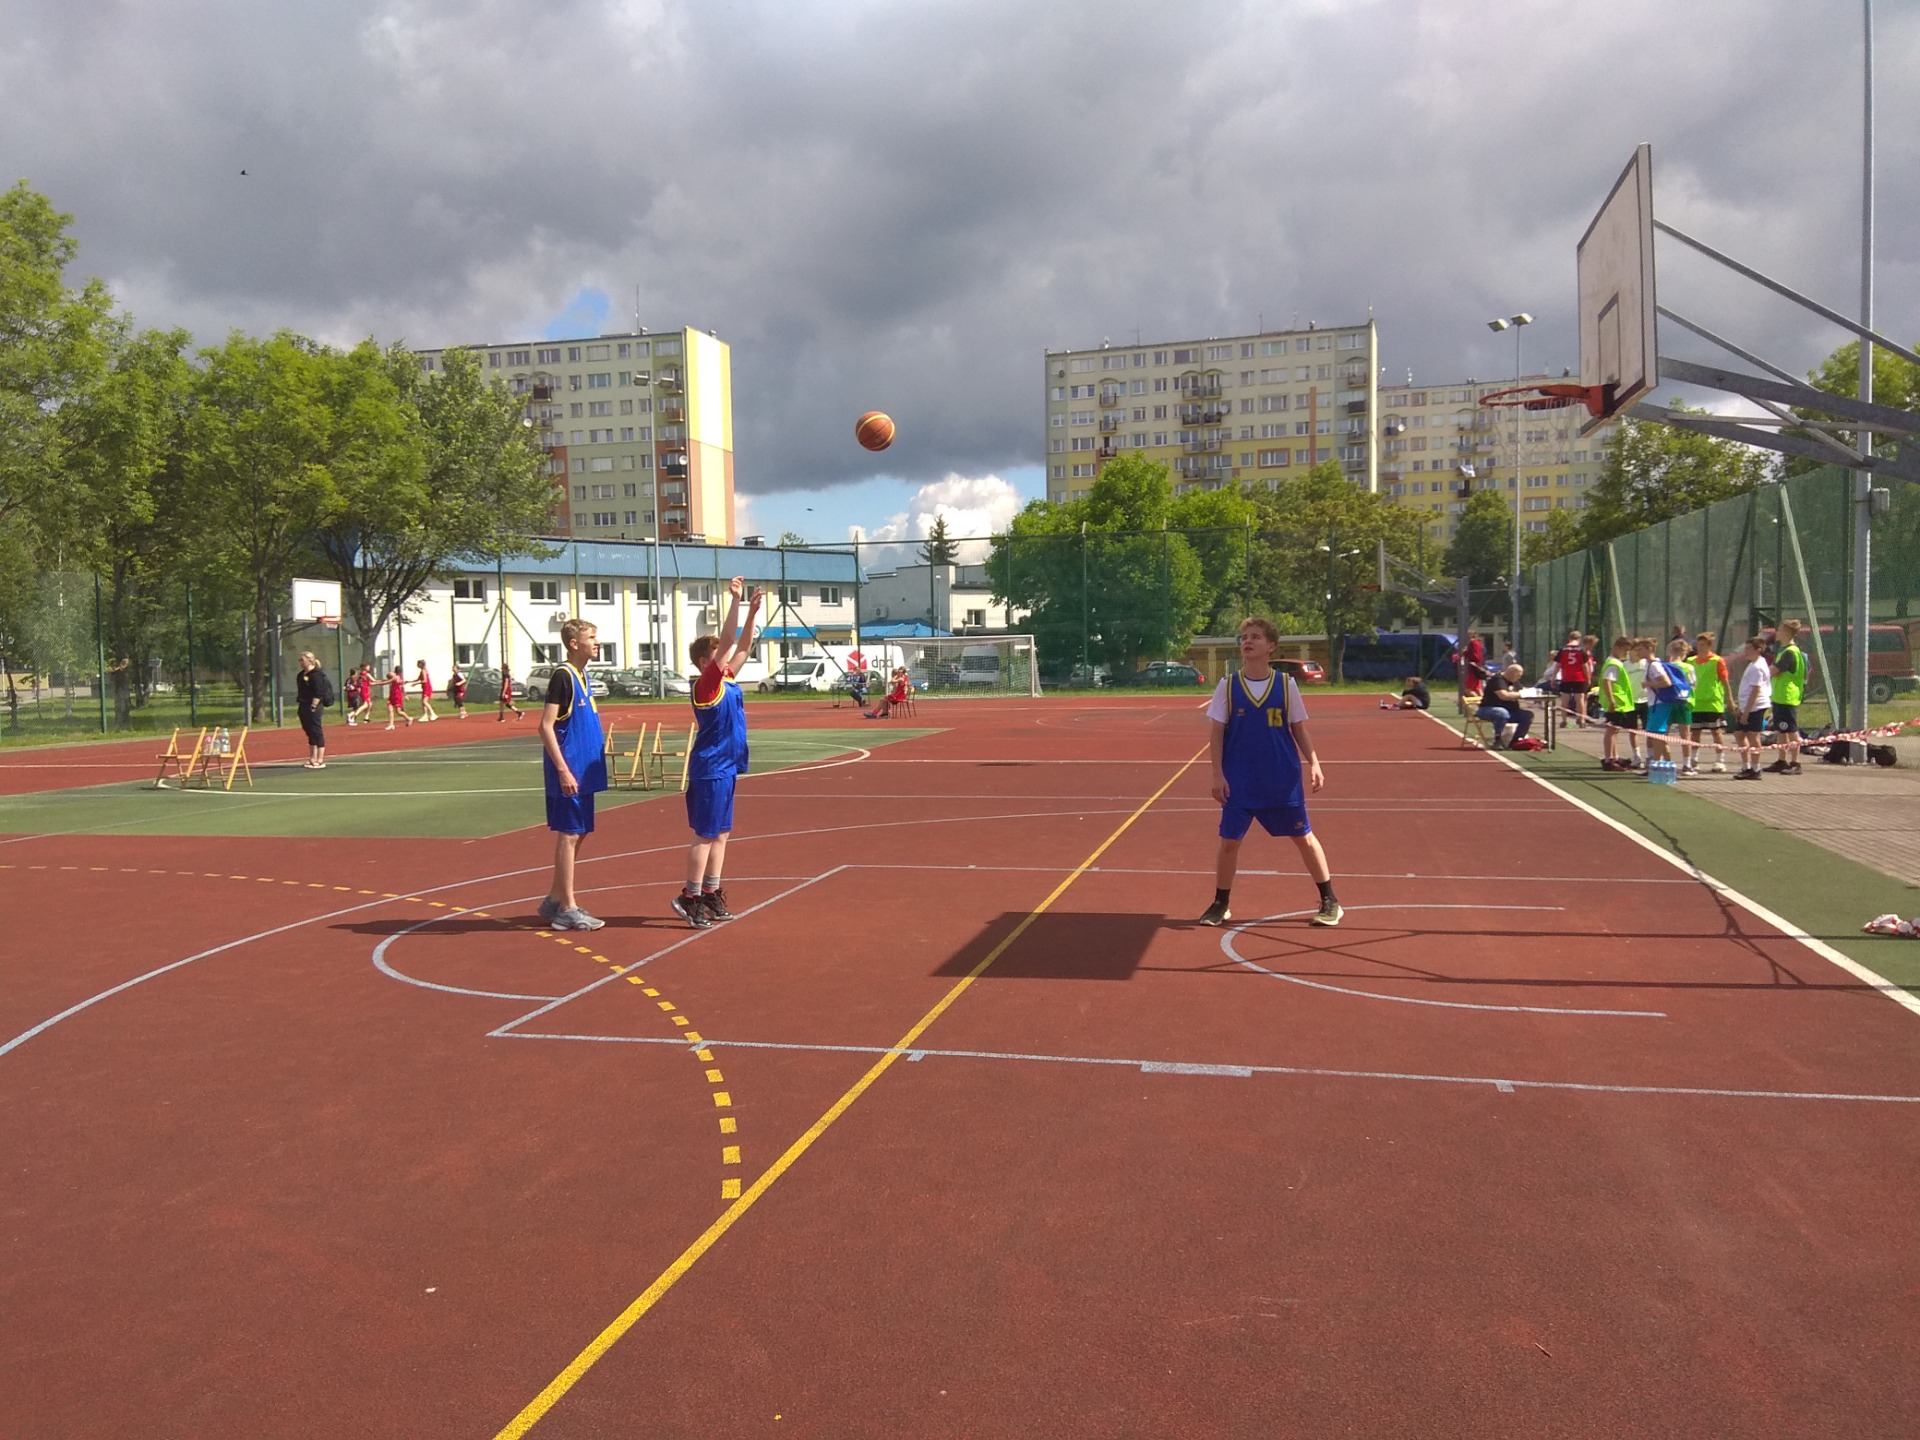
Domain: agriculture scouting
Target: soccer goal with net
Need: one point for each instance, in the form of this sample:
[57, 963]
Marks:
[971, 664]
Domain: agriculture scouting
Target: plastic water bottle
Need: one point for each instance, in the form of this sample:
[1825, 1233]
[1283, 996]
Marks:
[1662, 772]
[220, 742]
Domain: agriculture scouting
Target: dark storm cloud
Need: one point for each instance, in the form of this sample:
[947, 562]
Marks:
[901, 205]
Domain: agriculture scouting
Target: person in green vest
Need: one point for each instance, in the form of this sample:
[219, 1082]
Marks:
[1789, 686]
[1709, 700]
[1616, 700]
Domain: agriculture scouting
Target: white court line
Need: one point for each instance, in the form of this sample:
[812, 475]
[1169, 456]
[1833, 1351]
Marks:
[509, 1028]
[387, 968]
[1018, 762]
[1226, 944]
[1343, 875]
[1504, 1085]
[1853, 967]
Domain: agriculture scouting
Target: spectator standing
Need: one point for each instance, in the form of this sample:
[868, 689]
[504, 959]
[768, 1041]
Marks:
[1574, 667]
[1709, 701]
[313, 692]
[1472, 659]
[1789, 668]
[1750, 705]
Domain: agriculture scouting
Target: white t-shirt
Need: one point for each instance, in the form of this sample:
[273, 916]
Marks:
[1637, 678]
[1217, 706]
[1756, 684]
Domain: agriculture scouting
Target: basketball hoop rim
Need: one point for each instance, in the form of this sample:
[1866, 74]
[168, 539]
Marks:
[1559, 396]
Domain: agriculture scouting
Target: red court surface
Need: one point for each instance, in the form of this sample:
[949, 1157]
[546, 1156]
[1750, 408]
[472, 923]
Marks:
[1548, 1138]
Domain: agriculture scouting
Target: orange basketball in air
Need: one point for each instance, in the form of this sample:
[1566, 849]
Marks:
[874, 430]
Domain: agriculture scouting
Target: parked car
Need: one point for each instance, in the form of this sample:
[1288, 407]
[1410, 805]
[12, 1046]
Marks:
[538, 677]
[1163, 673]
[1304, 672]
[628, 684]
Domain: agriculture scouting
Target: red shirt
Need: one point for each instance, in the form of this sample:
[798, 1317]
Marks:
[1575, 664]
[706, 687]
[898, 694]
[1473, 666]
[396, 692]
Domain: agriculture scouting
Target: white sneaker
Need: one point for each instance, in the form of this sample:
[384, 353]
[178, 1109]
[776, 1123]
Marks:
[1719, 767]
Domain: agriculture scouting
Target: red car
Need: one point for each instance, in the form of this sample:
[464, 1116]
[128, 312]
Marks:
[1304, 672]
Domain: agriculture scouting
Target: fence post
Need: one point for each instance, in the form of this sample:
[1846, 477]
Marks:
[193, 683]
[1085, 673]
[100, 652]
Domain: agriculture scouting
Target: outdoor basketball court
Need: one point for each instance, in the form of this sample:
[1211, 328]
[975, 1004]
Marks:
[962, 1126]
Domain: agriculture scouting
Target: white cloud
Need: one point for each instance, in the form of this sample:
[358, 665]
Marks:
[973, 506]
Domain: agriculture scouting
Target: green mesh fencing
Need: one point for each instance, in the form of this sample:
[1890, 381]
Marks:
[1743, 565]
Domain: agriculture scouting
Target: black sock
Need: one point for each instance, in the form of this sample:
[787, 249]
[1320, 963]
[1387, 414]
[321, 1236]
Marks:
[1220, 897]
[1326, 889]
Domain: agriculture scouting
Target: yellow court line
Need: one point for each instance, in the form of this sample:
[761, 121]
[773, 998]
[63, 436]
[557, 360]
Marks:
[537, 1407]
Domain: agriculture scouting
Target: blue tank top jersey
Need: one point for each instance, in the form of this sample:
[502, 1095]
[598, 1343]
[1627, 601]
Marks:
[720, 741]
[1261, 762]
[582, 742]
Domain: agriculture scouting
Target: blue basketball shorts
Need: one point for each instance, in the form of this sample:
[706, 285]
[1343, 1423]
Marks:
[710, 806]
[1287, 820]
[571, 814]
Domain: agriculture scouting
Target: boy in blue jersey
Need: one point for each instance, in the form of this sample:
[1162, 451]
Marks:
[719, 755]
[1259, 738]
[575, 763]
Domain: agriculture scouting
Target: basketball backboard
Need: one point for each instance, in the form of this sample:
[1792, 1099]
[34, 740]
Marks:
[1618, 341]
[314, 598]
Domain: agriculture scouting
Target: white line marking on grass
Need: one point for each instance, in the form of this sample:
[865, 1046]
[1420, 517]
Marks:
[1501, 1084]
[1872, 979]
[1226, 944]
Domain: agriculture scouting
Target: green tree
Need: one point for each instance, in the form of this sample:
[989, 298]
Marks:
[939, 548]
[261, 439]
[1481, 551]
[52, 344]
[125, 512]
[1562, 536]
[1319, 551]
[427, 470]
[1102, 577]
[1653, 472]
[792, 539]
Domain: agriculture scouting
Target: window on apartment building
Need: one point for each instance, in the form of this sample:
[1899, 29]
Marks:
[547, 653]
[1419, 487]
[629, 518]
[1082, 365]
[600, 463]
[626, 433]
[603, 380]
[830, 595]
[468, 588]
[1082, 472]
[603, 492]
[470, 655]
[604, 517]
[573, 382]
[644, 460]
[1081, 417]
[1054, 447]
[599, 352]
[1323, 342]
[573, 354]
[600, 407]
[597, 592]
[580, 491]
[1058, 472]
[547, 357]
[493, 361]
[546, 592]
[789, 594]
[1353, 342]
[1058, 422]
[519, 357]
[1273, 457]
[1083, 442]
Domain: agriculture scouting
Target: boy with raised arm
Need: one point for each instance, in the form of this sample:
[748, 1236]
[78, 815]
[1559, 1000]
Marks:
[1259, 738]
[718, 757]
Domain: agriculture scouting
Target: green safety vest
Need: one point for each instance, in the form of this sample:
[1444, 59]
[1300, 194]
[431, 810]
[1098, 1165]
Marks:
[1709, 694]
[1616, 690]
[1789, 676]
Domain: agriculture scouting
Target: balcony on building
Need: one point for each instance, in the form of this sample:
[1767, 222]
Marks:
[1110, 398]
[670, 412]
[1105, 452]
[1204, 387]
[1202, 447]
[667, 380]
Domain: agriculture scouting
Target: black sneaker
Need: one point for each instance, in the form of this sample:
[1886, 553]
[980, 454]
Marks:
[1777, 768]
[693, 910]
[716, 903]
[1329, 913]
[1748, 775]
[1217, 914]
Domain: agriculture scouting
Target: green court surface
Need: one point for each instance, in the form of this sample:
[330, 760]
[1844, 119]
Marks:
[452, 792]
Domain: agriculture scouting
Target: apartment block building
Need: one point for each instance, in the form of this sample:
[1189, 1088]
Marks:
[638, 429]
[1236, 409]
[1428, 432]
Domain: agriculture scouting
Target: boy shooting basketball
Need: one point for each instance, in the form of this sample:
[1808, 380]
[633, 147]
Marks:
[1259, 738]
[718, 757]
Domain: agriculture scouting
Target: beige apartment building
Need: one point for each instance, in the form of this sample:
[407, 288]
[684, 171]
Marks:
[1236, 409]
[1428, 432]
[638, 429]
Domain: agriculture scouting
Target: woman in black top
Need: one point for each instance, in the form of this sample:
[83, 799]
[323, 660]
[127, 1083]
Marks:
[314, 692]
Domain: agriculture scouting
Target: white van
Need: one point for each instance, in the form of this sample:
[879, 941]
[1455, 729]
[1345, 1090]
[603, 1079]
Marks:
[980, 665]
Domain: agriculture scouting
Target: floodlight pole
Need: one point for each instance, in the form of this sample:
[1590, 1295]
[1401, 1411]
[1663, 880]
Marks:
[1863, 439]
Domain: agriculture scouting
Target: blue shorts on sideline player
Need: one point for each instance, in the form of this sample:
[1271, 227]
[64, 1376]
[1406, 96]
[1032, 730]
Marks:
[570, 814]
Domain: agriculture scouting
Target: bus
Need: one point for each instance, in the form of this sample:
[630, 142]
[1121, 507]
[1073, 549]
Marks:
[1394, 655]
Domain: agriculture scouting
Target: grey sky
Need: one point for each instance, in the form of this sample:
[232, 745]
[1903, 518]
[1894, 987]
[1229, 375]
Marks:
[898, 205]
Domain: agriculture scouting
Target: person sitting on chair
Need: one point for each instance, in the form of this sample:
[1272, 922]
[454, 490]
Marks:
[896, 695]
[1500, 707]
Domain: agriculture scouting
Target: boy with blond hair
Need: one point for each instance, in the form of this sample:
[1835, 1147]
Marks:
[718, 758]
[1259, 738]
[1709, 701]
[573, 754]
[1616, 707]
